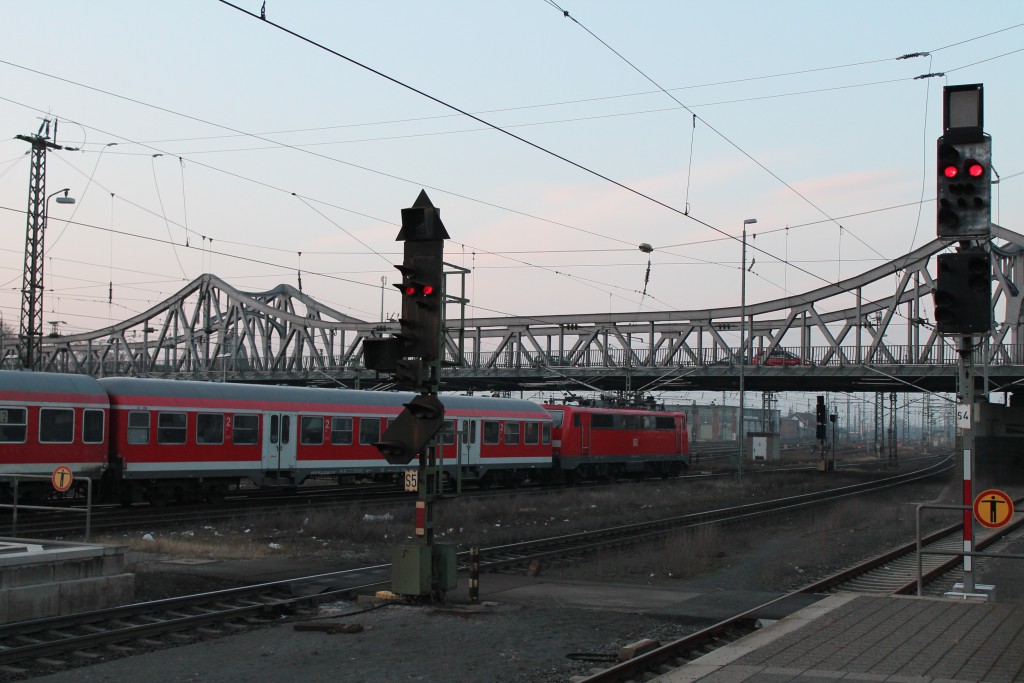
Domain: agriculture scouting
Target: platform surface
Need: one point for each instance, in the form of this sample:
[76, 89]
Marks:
[863, 638]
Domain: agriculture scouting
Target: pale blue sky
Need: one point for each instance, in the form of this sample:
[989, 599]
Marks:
[851, 140]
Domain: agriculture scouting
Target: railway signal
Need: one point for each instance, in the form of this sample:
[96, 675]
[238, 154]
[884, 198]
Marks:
[414, 427]
[821, 420]
[413, 355]
[964, 167]
[963, 293]
[422, 289]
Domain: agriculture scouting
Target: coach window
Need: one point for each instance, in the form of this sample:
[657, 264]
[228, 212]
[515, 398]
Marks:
[246, 431]
[13, 425]
[209, 428]
[369, 430]
[311, 431]
[138, 427]
[531, 433]
[511, 433]
[171, 428]
[448, 433]
[92, 426]
[545, 433]
[341, 431]
[492, 432]
[56, 425]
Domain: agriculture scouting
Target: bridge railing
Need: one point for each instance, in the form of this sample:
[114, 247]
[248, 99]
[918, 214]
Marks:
[940, 355]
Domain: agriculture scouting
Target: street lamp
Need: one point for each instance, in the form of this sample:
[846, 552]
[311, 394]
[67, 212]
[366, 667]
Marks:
[743, 339]
[32, 289]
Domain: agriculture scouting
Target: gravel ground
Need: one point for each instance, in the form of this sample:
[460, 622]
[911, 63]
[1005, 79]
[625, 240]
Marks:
[510, 642]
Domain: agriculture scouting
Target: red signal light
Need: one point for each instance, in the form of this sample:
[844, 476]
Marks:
[974, 169]
[428, 290]
[950, 171]
[410, 290]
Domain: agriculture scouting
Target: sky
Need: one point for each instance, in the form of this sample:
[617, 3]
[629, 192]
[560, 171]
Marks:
[202, 139]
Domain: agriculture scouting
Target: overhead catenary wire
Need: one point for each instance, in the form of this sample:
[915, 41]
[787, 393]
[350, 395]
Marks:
[595, 283]
[329, 276]
[713, 129]
[344, 208]
[499, 129]
[170, 237]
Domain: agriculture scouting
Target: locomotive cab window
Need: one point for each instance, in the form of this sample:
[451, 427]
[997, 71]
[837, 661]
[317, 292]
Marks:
[246, 431]
[664, 423]
[492, 432]
[56, 425]
[138, 427]
[531, 433]
[13, 425]
[209, 428]
[311, 431]
[92, 426]
[341, 431]
[369, 430]
[557, 416]
[171, 428]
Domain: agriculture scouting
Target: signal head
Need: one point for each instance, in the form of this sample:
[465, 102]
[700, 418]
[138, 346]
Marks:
[964, 189]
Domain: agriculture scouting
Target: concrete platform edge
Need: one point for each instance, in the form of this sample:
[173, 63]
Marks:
[713, 661]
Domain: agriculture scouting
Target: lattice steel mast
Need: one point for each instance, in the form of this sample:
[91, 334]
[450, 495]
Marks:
[31, 332]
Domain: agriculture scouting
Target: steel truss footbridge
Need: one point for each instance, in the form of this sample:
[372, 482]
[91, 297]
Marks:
[835, 338]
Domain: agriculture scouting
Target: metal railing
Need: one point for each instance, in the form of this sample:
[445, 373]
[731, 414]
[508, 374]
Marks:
[14, 506]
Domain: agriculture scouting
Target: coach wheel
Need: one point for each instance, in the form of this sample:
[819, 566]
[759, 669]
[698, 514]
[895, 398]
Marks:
[215, 493]
[157, 497]
[485, 482]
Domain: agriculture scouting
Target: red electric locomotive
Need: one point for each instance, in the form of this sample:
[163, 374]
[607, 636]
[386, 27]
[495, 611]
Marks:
[608, 443]
[48, 421]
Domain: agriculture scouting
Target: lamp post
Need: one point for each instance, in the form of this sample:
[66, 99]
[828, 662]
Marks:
[743, 341]
[32, 288]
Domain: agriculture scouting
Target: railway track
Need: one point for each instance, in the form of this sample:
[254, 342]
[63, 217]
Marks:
[571, 546]
[28, 648]
[892, 573]
[108, 518]
[32, 647]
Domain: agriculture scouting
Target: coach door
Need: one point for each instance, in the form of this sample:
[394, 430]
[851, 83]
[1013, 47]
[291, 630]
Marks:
[279, 436]
[584, 425]
[469, 442]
